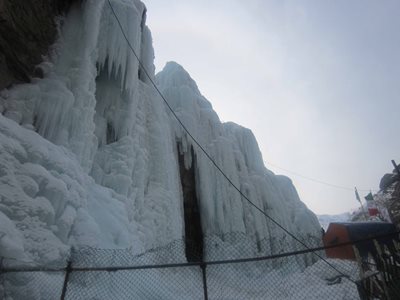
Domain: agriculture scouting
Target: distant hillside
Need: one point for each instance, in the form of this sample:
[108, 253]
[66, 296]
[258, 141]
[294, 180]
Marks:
[324, 220]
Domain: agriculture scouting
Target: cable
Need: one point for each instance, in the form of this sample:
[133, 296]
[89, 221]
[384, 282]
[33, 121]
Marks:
[319, 181]
[205, 152]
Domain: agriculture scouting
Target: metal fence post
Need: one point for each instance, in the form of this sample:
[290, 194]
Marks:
[3, 291]
[68, 270]
[204, 273]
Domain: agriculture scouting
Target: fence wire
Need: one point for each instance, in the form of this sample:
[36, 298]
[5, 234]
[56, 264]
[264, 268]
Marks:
[231, 269]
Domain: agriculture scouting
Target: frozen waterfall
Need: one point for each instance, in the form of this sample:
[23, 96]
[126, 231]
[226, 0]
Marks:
[89, 154]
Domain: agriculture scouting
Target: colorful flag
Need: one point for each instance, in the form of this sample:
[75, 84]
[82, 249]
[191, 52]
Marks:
[362, 208]
[371, 205]
[369, 197]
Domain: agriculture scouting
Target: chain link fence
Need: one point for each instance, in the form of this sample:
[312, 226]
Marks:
[231, 269]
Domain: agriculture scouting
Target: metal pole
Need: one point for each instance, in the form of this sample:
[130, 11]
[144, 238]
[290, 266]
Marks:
[203, 271]
[362, 207]
[3, 292]
[396, 167]
[67, 272]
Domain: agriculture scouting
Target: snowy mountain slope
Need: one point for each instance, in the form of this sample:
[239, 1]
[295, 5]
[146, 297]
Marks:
[89, 155]
[325, 220]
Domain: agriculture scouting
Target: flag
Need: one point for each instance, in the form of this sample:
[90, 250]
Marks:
[371, 205]
[359, 200]
[369, 197]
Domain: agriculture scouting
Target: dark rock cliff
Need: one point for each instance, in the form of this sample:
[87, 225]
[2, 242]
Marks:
[390, 187]
[27, 29]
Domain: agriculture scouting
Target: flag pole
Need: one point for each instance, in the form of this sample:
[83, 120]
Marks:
[362, 207]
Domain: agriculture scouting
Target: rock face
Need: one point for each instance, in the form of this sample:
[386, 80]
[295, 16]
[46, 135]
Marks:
[27, 29]
[389, 195]
[387, 201]
[193, 231]
[89, 155]
[387, 180]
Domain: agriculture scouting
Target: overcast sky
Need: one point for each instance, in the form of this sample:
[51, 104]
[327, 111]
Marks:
[318, 82]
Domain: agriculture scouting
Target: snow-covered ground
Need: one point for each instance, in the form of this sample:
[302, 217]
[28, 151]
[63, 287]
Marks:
[238, 281]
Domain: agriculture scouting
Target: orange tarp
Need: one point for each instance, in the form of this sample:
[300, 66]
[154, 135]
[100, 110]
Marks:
[337, 234]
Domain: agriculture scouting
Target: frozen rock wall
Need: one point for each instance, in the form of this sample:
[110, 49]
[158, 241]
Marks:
[27, 30]
[89, 153]
[236, 151]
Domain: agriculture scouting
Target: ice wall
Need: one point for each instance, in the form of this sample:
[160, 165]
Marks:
[76, 183]
[89, 156]
[236, 151]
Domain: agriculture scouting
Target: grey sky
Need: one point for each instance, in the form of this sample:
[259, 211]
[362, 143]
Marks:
[318, 82]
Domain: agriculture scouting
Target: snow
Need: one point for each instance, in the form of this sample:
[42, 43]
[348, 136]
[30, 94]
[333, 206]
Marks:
[89, 154]
[45, 193]
[238, 281]
[11, 245]
[325, 220]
